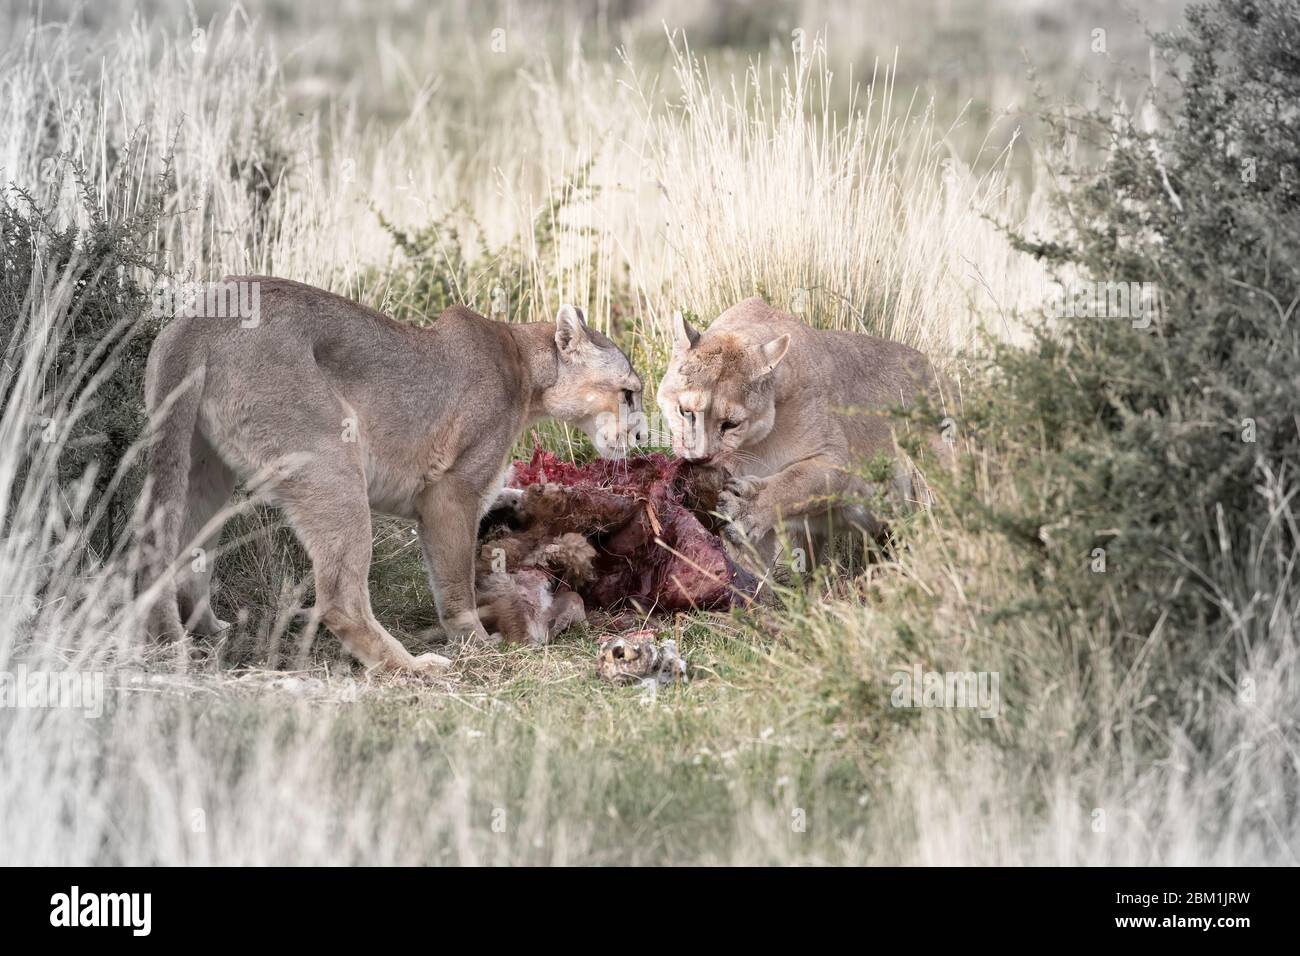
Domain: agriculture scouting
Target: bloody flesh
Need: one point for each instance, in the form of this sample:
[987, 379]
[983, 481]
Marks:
[643, 517]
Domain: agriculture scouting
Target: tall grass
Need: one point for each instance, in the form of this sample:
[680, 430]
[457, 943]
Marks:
[862, 219]
[698, 185]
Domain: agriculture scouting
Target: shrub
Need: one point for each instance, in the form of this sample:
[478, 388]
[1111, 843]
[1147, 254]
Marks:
[1170, 448]
[98, 349]
[440, 267]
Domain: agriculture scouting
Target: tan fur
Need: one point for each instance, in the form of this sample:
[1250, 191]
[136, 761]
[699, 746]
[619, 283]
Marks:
[568, 556]
[331, 410]
[523, 608]
[805, 408]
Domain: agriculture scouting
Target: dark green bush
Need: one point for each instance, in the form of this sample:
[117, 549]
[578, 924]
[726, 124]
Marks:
[104, 337]
[1156, 444]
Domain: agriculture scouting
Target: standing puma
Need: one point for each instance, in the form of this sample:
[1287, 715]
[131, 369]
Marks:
[334, 409]
[792, 413]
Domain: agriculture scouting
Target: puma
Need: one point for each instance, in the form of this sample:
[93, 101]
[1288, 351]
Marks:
[791, 414]
[331, 410]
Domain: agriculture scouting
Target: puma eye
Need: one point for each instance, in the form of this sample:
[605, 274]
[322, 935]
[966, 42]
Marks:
[628, 397]
[728, 426]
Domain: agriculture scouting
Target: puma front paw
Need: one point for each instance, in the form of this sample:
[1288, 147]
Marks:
[466, 628]
[744, 520]
[429, 663]
[744, 486]
[209, 625]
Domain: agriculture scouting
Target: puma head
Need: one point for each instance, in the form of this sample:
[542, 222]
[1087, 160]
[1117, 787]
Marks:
[595, 387]
[718, 393]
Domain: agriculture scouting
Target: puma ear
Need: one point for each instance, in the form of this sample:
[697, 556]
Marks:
[570, 330]
[770, 355]
[684, 337]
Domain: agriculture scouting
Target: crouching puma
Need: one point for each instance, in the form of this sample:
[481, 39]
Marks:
[332, 409]
[792, 414]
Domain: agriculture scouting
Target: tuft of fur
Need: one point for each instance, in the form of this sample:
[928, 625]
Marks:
[568, 555]
[517, 579]
[571, 556]
[522, 607]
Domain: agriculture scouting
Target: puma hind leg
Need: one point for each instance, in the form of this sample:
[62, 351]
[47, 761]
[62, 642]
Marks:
[211, 483]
